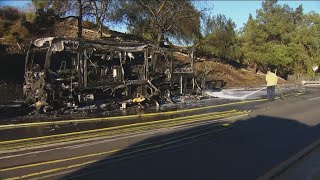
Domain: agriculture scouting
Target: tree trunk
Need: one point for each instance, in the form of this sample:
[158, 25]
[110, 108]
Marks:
[80, 19]
[159, 35]
[99, 18]
[100, 29]
[255, 68]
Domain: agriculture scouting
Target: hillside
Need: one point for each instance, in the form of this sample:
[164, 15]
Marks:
[65, 28]
[225, 75]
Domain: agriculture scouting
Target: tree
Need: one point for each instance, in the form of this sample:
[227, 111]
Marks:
[102, 10]
[306, 44]
[12, 26]
[220, 38]
[251, 40]
[159, 21]
[64, 9]
[268, 39]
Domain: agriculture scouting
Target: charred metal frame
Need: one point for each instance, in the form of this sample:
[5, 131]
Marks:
[66, 72]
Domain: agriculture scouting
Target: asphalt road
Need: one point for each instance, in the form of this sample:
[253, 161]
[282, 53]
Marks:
[242, 148]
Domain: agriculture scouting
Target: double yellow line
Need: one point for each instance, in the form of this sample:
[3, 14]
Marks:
[110, 131]
[84, 134]
[136, 151]
[46, 123]
[11, 126]
[28, 143]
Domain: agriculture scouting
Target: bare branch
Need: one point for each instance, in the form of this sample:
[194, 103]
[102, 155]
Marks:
[148, 7]
[67, 17]
[160, 8]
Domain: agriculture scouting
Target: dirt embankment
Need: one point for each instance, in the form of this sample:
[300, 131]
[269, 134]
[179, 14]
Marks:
[228, 75]
[225, 75]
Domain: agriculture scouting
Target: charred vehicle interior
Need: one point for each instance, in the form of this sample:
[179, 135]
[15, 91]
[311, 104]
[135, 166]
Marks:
[65, 72]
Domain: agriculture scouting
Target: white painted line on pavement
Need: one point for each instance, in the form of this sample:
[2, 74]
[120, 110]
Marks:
[314, 98]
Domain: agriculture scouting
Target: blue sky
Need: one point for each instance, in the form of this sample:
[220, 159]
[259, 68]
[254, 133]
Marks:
[238, 11]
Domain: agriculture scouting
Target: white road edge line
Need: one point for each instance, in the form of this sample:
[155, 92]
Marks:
[314, 98]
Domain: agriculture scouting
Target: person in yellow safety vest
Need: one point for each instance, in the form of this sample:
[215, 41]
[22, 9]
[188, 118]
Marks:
[272, 81]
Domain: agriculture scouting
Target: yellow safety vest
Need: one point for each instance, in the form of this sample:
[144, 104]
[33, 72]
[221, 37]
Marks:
[271, 79]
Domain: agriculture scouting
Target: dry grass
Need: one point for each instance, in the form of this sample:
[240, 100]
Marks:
[217, 72]
[232, 76]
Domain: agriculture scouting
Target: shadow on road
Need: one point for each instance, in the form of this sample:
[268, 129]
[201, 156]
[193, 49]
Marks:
[246, 151]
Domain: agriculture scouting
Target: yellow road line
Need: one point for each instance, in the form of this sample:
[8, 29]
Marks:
[10, 126]
[73, 158]
[88, 155]
[143, 130]
[112, 128]
[59, 160]
[35, 144]
[116, 156]
[50, 170]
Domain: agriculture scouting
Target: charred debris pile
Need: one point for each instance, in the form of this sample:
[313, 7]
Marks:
[72, 73]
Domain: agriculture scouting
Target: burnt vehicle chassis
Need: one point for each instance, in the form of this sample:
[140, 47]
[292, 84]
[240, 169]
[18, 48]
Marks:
[65, 72]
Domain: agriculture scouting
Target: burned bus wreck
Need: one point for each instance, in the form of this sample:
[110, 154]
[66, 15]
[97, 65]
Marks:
[65, 72]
